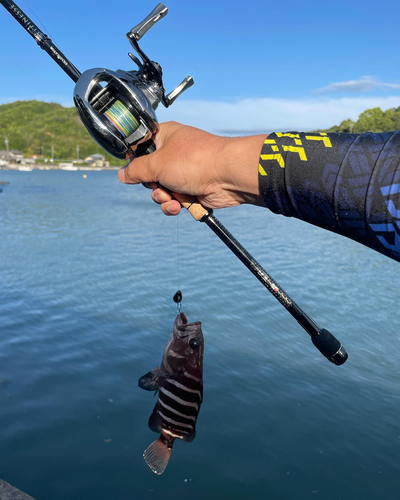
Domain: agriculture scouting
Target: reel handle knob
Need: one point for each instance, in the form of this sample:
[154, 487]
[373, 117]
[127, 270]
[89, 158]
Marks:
[148, 22]
[184, 85]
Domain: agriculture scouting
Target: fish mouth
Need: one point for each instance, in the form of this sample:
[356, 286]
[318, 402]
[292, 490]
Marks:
[183, 328]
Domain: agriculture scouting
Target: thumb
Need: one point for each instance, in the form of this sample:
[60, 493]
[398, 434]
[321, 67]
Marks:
[138, 171]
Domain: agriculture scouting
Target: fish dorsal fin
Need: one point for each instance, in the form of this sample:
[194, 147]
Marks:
[157, 456]
[150, 381]
[155, 421]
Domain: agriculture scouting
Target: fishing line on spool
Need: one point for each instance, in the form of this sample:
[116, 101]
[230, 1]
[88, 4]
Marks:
[120, 116]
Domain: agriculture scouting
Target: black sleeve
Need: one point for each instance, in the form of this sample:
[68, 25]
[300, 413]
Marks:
[346, 183]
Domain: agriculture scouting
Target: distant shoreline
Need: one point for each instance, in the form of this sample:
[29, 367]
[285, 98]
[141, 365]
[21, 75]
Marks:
[45, 166]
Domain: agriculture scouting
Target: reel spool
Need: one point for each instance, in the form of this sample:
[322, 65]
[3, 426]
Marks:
[118, 107]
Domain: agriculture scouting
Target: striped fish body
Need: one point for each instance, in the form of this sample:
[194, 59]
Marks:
[179, 381]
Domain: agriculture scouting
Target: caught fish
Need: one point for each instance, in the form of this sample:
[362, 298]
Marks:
[179, 381]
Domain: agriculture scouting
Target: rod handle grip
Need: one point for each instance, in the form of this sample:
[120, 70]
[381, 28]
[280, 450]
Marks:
[330, 347]
[192, 205]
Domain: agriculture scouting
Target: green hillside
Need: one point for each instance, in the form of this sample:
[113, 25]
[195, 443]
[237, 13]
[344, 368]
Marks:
[371, 120]
[33, 127]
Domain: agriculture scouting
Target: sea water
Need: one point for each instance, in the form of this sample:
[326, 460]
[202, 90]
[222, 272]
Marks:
[88, 269]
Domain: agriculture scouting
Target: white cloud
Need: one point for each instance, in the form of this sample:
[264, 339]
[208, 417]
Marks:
[364, 84]
[259, 115]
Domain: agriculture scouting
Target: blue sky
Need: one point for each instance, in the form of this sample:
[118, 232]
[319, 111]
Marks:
[257, 65]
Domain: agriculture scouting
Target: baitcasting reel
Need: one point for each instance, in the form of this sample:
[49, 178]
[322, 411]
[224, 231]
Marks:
[118, 107]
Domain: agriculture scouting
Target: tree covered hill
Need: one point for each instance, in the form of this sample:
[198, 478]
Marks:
[35, 127]
[371, 120]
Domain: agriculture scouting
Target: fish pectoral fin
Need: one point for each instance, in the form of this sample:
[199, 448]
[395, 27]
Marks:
[189, 437]
[150, 381]
[157, 456]
[155, 421]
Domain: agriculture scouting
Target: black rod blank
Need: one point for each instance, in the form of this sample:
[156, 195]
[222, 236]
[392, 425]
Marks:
[42, 40]
[323, 340]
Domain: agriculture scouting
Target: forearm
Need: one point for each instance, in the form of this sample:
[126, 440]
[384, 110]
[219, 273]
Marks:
[346, 183]
[239, 170]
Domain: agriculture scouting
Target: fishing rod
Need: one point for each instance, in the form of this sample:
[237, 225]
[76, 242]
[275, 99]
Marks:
[118, 110]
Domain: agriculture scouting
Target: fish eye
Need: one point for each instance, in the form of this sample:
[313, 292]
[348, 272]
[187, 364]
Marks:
[194, 343]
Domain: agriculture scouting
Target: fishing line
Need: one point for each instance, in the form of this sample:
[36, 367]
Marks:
[178, 253]
[120, 116]
[39, 21]
[178, 294]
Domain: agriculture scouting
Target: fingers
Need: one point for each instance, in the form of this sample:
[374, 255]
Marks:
[160, 196]
[125, 175]
[138, 171]
[172, 207]
[144, 170]
[169, 206]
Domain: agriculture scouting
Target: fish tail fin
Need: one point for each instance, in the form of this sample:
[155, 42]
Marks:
[157, 456]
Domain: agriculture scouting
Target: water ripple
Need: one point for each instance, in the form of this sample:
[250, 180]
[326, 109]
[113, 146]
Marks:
[88, 269]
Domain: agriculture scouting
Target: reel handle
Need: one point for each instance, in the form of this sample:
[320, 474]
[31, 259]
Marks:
[148, 22]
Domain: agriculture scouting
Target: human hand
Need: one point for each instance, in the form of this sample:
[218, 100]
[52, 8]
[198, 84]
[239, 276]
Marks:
[219, 171]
